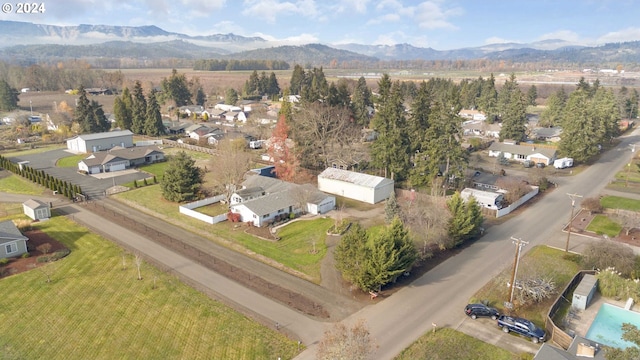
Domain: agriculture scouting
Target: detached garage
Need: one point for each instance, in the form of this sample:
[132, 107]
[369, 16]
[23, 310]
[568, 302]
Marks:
[353, 185]
[87, 143]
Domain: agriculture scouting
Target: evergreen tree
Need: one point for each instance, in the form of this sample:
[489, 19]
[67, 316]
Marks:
[488, 101]
[532, 95]
[8, 97]
[360, 103]
[153, 125]
[513, 111]
[351, 255]
[99, 121]
[252, 86]
[138, 109]
[82, 114]
[273, 89]
[466, 219]
[182, 179]
[200, 97]
[391, 208]
[418, 120]
[176, 88]
[297, 80]
[390, 150]
[231, 96]
[552, 115]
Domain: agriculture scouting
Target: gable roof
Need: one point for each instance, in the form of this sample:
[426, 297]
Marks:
[547, 132]
[356, 178]
[119, 154]
[523, 149]
[104, 135]
[34, 204]
[9, 232]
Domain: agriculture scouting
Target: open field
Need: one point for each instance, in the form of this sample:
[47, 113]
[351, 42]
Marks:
[616, 202]
[95, 308]
[18, 185]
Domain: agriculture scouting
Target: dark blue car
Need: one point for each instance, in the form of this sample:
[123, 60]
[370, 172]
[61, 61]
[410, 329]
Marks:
[521, 326]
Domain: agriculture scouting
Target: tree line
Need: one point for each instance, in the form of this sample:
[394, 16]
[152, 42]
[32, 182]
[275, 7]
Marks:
[39, 177]
[237, 65]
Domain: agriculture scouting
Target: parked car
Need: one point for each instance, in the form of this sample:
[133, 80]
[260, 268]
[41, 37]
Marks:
[476, 310]
[528, 163]
[540, 165]
[521, 326]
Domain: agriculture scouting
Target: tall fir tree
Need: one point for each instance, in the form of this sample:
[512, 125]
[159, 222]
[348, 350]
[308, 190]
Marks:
[391, 208]
[361, 102]
[488, 101]
[138, 109]
[466, 219]
[176, 88]
[8, 97]
[513, 111]
[552, 114]
[153, 125]
[82, 114]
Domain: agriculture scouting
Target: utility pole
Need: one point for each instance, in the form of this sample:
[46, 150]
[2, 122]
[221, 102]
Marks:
[519, 244]
[573, 205]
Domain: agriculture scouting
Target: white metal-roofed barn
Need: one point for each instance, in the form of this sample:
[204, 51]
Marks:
[353, 185]
[488, 199]
[87, 143]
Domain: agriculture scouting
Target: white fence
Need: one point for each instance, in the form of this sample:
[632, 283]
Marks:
[187, 209]
[149, 142]
[506, 210]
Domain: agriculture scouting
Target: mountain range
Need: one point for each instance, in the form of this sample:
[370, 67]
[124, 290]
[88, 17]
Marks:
[26, 42]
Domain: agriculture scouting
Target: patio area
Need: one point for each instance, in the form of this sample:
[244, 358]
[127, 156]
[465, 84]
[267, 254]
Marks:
[578, 322]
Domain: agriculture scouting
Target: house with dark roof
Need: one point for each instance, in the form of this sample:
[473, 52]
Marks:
[580, 348]
[263, 199]
[547, 134]
[12, 242]
[118, 159]
[531, 152]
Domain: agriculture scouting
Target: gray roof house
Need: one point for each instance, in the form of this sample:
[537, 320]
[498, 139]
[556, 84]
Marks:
[12, 242]
[36, 209]
[119, 158]
[262, 199]
[547, 134]
[533, 152]
[580, 348]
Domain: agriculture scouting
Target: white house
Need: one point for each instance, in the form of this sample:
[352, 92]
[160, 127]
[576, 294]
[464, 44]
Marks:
[227, 107]
[353, 185]
[472, 114]
[118, 159]
[100, 141]
[36, 209]
[531, 152]
[12, 242]
[264, 199]
[487, 199]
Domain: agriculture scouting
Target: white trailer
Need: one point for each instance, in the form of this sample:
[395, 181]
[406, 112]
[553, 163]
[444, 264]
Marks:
[563, 163]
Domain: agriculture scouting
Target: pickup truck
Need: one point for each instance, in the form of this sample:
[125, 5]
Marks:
[522, 327]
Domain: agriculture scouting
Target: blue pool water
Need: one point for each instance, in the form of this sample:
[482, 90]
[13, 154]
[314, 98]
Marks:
[607, 326]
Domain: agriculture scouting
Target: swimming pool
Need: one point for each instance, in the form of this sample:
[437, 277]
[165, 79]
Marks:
[607, 326]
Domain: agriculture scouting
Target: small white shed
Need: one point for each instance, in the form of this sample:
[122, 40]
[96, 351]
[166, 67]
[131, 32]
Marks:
[353, 185]
[487, 199]
[583, 294]
[36, 209]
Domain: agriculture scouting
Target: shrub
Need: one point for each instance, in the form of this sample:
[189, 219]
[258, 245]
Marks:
[60, 254]
[4, 261]
[604, 254]
[612, 284]
[43, 259]
[25, 255]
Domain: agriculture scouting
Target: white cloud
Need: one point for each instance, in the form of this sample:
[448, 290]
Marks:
[360, 6]
[300, 39]
[566, 35]
[628, 34]
[269, 10]
[498, 40]
[432, 14]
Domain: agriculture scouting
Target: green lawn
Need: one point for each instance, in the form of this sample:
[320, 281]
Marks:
[447, 344]
[95, 309]
[294, 250]
[549, 263]
[156, 169]
[616, 202]
[70, 161]
[18, 185]
[213, 209]
[601, 224]
[28, 151]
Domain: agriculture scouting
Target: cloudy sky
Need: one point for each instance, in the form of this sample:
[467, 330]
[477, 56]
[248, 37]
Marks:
[440, 24]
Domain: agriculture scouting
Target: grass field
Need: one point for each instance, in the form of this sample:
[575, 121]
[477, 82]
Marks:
[18, 185]
[616, 202]
[70, 161]
[28, 151]
[601, 224]
[450, 344]
[294, 250]
[96, 309]
[547, 263]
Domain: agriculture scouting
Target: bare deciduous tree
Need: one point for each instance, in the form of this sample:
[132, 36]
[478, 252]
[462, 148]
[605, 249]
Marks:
[515, 187]
[230, 166]
[629, 220]
[138, 261]
[605, 253]
[342, 342]
[592, 205]
[426, 218]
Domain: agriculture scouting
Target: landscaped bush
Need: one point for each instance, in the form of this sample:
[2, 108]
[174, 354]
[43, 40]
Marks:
[340, 227]
[25, 255]
[612, 284]
[43, 259]
[60, 254]
[604, 254]
[4, 261]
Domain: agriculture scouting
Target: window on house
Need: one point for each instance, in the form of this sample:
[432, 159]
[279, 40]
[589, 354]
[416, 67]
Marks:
[265, 216]
[11, 248]
[521, 157]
